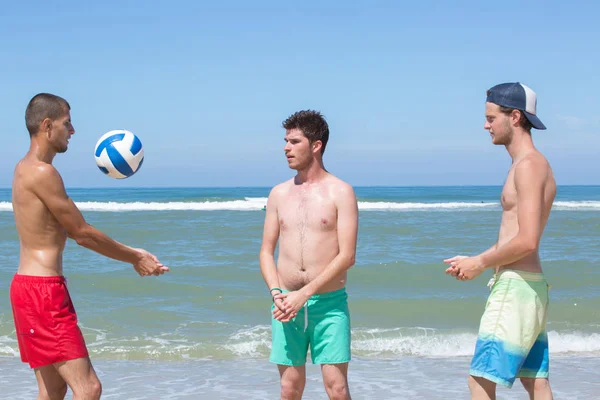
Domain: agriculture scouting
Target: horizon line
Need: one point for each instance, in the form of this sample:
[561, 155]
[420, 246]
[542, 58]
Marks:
[263, 187]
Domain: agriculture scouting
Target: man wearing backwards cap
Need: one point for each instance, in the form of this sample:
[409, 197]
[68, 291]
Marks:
[512, 341]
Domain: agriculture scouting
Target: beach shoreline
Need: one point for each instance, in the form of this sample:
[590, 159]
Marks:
[571, 377]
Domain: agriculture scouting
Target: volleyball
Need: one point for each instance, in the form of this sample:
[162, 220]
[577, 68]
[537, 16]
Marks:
[119, 154]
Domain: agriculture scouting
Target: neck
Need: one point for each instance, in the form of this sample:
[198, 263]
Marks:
[520, 145]
[41, 151]
[313, 173]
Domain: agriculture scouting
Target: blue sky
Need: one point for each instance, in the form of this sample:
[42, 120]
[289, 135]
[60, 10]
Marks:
[206, 85]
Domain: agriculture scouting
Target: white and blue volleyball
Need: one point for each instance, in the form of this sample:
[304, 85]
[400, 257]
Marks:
[119, 154]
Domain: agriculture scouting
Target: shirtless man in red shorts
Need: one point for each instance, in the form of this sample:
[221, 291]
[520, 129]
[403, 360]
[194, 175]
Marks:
[45, 320]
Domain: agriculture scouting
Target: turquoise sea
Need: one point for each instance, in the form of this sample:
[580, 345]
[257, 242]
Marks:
[202, 331]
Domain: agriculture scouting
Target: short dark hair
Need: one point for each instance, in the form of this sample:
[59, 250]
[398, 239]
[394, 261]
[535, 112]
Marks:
[42, 106]
[312, 124]
[523, 121]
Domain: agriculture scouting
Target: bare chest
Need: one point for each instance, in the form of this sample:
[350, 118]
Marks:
[508, 198]
[299, 213]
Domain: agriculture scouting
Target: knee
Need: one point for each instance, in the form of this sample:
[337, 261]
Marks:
[338, 391]
[291, 390]
[90, 390]
[541, 384]
[95, 389]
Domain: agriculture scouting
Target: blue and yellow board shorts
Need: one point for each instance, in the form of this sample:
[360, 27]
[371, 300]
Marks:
[323, 324]
[512, 341]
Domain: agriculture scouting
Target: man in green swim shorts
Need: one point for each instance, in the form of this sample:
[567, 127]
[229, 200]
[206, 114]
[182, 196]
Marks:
[512, 341]
[314, 217]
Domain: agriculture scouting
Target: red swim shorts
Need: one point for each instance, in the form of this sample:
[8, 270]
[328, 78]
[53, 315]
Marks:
[45, 320]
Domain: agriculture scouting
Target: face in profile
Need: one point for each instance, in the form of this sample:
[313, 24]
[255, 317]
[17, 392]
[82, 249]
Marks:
[297, 149]
[61, 132]
[498, 124]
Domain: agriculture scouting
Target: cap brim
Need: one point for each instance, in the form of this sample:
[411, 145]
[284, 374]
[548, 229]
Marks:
[535, 121]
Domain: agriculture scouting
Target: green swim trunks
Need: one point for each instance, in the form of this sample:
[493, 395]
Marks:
[323, 324]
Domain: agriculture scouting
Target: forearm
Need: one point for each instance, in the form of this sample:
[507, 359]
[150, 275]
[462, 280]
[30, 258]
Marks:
[268, 270]
[512, 251]
[341, 263]
[96, 240]
[488, 251]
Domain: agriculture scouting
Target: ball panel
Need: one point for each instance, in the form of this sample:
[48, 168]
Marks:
[107, 141]
[118, 160]
[106, 162]
[127, 140]
[124, 149]
[136, 146]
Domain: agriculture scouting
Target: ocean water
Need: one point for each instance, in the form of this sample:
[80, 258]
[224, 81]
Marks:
[202, 331]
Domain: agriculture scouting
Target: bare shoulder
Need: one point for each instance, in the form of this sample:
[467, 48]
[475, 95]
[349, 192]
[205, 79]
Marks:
[341, 190]
[281, 188]
[534, 164]
[279, 191]
[35, 174]
[533, 169]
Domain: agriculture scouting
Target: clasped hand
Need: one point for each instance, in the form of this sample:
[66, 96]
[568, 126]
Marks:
[288, 304]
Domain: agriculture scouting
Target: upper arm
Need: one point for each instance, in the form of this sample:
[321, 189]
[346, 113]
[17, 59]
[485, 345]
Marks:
[48, 186]
[347, 220]
[530, 178]
[271, 227]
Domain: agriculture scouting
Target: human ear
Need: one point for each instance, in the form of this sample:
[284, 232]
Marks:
[46, 127]
[515, 117]
[316, 146]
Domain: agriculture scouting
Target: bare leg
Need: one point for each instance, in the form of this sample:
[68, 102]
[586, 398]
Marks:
[293, 380]
[81, 378]
[481, 388]
[335, 378]
[51, 385]
[538, 388]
